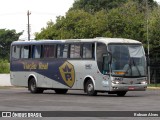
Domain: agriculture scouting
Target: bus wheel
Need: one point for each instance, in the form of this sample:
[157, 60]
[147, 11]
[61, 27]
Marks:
[61, 91]
[89, 88]
[33, 87]
[121, 94]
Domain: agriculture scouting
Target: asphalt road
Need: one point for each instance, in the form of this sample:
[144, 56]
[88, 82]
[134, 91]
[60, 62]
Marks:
[20, 99]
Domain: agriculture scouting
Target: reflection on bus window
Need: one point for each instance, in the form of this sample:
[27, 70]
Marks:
[36, 51]
[101, 50]
[129, 60]
[49, 51]
[87, 51]
[62, 51]
[16, 52]
[25, 52]
[75, 51]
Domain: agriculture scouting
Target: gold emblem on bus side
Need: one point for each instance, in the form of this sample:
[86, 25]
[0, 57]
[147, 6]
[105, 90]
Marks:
[68, 74]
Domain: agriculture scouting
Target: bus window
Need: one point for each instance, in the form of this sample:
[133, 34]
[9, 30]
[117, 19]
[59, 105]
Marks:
[101, 50]
[49, 51]
[36, 51]
[16, 52]
[75, 51]
[25, 52]
[88, 50]
[62, 51]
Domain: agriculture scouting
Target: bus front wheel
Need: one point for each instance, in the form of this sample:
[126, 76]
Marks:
[33, 87]
[89, 88]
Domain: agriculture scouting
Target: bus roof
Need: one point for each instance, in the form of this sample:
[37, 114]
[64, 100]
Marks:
[98, 39]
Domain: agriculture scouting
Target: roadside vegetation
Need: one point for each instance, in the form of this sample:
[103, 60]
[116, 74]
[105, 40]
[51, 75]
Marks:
[154, 85]
[6, 38]
[4, 66]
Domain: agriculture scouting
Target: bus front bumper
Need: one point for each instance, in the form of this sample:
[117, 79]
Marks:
[134, 87]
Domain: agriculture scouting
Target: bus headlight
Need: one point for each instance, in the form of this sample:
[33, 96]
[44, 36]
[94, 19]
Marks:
[115, 82]
[143, 82]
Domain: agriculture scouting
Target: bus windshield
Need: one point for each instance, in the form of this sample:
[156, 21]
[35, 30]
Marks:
[128, 60]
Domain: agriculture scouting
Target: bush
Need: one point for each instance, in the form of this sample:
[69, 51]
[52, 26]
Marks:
[4, 66]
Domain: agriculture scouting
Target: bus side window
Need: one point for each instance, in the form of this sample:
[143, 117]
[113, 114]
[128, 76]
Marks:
[62, 51]
[101, 50]
[49, 51]
[16, 52]
[25, 52]
[36, 51]
[88, 51]
[46, 51]
[106, 62]
[75, 51]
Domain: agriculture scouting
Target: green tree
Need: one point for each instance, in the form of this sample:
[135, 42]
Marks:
[6, 38]
[76, 24]
[126, 21]
[47, 33]
[154, 25]
[99, 24]
[93, 6]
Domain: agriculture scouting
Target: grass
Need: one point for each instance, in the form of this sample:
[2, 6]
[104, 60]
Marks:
[11, 87]
[6, 87]
[154, 85]
[4, 66]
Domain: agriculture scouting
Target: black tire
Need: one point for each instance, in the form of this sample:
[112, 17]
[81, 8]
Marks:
[33, 87]
[61, 91]
[121, 94]
[89, 88]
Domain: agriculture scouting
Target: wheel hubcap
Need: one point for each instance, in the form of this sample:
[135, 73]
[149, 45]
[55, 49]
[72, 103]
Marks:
[90, 87]
[33, 86]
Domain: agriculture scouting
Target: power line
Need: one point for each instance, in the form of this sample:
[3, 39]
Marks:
[8, 14]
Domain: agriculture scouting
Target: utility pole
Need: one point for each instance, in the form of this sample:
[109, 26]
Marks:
[148, 41]
[28, 13]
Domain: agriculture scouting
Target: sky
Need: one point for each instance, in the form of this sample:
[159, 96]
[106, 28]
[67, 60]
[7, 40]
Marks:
[13, 14]
[158, 1]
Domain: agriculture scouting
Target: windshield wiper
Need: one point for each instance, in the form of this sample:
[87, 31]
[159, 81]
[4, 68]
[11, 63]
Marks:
[136, 67]
[129, 67]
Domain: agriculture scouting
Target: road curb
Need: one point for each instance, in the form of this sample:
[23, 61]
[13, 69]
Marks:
[153, 88]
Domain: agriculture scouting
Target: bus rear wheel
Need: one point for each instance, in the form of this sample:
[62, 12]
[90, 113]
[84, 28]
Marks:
[122, 93]
[33, 87]
[61, 91]
[89, 88]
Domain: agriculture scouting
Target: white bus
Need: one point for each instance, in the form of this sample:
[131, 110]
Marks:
[113, 65]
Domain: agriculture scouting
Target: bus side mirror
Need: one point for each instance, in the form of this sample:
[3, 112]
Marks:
[107, 59]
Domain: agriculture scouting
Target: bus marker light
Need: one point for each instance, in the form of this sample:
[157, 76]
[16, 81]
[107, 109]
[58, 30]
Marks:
[120, 73]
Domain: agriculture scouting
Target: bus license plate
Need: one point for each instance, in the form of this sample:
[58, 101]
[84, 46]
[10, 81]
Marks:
[131, 88]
